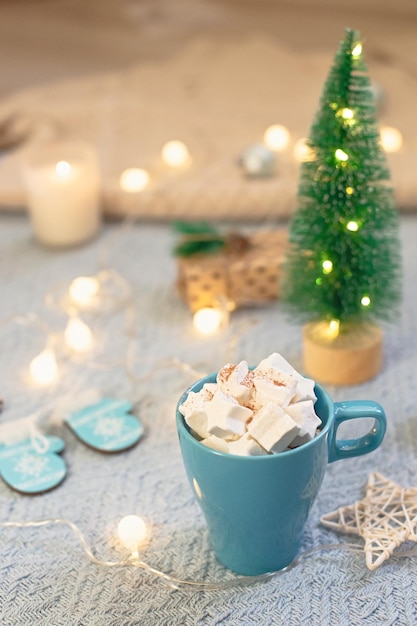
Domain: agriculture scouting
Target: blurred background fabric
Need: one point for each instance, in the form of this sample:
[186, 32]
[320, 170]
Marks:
[129, 76]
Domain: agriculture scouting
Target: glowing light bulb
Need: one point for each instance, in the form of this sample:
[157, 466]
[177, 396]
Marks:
[78, 335]
[341, 155]
[175, 154]
[329, 330]
[63, 168]
[327, 266]
[43, 368]
[391, 139]
[303, 152]
[208, 320]
[334, 326]
[83, 290]
[277, 137]
[349, 191]
[347, 114]
[134, 179]
[132, 532]
[352, 226]
[357, 50]
[333, 329]
[365, 301]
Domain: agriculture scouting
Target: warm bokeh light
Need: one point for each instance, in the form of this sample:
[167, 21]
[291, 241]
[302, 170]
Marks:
[333, 329]
[63, 168]
[208, 320]
[329, 330]
[43, 368]
[347, 114]
[352, 226]
[365, 301]
[327, 266]
[134, 179]
[175, 154]
[132, 532]
[391, 139]
[83, 290]
[78, 335]
[341, 155]
[277, 137]
[357, 50]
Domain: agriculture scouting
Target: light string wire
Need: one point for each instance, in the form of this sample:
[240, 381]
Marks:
[194, 585]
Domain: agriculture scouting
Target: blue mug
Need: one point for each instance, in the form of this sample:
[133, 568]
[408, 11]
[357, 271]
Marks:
[256, 506]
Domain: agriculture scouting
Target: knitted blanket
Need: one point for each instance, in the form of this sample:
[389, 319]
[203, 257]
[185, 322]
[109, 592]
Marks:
[45, 576]
[216, 95]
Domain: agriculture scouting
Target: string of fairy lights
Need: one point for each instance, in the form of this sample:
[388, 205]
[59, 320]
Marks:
[276, 138]
[132, 537]
[88, 293]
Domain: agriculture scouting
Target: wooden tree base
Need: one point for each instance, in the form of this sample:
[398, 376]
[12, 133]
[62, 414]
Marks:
[351, 358]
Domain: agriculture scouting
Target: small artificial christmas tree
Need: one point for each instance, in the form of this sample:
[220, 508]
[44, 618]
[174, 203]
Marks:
[342, 270]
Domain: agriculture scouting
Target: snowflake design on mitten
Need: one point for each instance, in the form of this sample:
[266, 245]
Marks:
[31, 464]
[109, 427]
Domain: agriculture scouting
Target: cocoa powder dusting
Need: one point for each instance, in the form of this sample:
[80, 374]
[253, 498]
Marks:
[248, 380]
[226, 372]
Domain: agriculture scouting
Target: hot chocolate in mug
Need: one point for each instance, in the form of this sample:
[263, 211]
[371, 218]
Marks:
[256, 506]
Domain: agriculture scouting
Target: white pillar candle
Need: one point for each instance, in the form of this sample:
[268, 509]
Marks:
[63, 192]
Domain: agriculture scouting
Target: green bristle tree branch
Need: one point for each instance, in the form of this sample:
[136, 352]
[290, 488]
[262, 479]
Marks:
[344, 259]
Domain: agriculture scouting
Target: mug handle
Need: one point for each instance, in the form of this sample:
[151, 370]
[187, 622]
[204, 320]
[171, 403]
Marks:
[354, 409]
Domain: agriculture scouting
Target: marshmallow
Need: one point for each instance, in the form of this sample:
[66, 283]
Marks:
[277, 387]
[194, 412]
[303, 413]
[254, 412]
[305, 390]
[235, 380]
[216, 443]
[276, 362]
[195, 400]
[273, 428]
[254, 402]
[225, 416]
[246, 446]
[209, 389]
